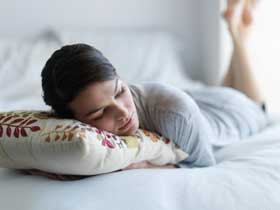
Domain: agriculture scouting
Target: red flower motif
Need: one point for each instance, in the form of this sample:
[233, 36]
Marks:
[23, 132]
[57, 137]
[16, 132]
[30, 122]
[17, 121]
[1, 131]
[35, 128]
[98, 131]
[105, 142]
[7, 119]
[9, 131]
[20, 124]
[48, 139]
[166, 141]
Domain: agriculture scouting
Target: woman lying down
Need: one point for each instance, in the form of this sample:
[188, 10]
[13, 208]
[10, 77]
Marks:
[79, 82]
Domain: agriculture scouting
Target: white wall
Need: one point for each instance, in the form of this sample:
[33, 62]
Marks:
[194, 21]
[209, 43]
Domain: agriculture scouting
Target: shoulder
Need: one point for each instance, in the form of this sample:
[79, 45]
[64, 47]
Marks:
[154, 87]
[153, 90]
[163, 96]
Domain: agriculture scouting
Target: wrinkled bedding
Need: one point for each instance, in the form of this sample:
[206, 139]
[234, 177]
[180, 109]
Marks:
[247, 176]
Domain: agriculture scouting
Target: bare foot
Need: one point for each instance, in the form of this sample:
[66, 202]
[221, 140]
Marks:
[239, 17]
[247, 15]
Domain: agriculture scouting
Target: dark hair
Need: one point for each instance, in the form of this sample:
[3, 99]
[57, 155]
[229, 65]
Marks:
[68, 71]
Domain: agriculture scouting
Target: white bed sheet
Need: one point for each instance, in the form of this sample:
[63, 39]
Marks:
[246, 177]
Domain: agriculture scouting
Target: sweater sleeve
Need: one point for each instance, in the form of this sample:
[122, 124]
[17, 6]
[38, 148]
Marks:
[177, 116]
[191, 133]
[174, 114]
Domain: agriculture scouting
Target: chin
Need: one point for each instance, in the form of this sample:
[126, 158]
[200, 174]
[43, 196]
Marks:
[131, 131]
[133, 128]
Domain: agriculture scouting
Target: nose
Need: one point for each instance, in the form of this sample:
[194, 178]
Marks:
[122, 112]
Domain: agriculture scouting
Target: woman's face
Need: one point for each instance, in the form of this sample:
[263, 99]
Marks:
[107, 105]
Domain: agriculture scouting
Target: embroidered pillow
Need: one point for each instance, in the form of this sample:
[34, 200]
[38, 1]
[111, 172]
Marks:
[39, 140]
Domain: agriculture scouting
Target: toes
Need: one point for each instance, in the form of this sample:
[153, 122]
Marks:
[247, 17]
[227, 14]
[247, 14]
[231, 6]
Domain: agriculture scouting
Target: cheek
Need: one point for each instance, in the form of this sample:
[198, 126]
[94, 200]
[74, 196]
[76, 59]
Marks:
[129, 102]
[106, 124]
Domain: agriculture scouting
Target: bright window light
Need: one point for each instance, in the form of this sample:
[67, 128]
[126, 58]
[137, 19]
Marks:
[265, 51]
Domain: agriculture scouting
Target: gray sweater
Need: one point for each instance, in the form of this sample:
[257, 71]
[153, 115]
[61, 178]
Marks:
[198, 121]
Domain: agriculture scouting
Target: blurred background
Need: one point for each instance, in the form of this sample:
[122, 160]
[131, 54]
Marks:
[192, 30]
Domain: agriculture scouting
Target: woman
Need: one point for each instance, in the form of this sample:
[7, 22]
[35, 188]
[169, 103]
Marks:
[79, 82]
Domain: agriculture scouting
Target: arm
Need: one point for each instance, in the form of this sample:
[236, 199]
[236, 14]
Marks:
[53, 176]
[176, 115]
[146, 164]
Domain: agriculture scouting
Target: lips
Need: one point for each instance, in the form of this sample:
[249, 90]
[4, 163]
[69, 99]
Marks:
[127, 124]
[123, 127]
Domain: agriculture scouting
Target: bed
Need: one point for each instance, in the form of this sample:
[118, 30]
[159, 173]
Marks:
[247, 175]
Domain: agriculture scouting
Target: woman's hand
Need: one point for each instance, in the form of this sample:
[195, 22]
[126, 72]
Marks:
[52, 175]
[146, 164]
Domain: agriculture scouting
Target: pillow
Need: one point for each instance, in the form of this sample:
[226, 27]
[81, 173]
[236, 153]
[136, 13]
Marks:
[39, 140]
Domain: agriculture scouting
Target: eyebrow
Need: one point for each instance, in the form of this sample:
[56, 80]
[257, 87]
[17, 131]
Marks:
[97, 109]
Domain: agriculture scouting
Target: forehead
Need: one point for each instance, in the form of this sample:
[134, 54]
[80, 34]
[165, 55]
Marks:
[94, 95]
[101, 88]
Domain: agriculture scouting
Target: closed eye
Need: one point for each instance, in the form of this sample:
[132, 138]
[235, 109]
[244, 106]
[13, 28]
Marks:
[100, 116]
[116, 96]
[120, 92]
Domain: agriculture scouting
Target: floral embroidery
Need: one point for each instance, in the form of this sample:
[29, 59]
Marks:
[17, 125]
[63, 132]
[44, 115]
[166, 140]
[153, 136]
[105, 138]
